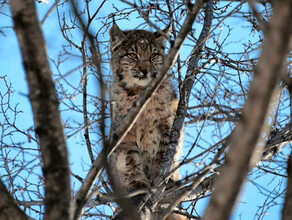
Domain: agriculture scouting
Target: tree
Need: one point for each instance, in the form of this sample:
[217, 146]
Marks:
[235, 103]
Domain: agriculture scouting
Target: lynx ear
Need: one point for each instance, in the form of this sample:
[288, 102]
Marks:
[162, 39]
[117, 35]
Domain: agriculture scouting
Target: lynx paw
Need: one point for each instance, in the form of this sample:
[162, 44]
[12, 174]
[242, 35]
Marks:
[138, 184]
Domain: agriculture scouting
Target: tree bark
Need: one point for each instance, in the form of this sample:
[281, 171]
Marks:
[248, 131]
[8, 209]
[47, 119]
[287, 211]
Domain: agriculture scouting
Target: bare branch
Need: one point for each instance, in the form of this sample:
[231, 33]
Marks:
[248, 131]
[185, 94]
[44, 102]
[9, 210]
[287, 211]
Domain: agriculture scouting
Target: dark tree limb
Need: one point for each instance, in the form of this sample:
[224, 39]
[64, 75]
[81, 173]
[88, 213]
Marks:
[185, 92]
[8, 208]
[248, 131]
[47, 119]
[277, 140]
[287, 211]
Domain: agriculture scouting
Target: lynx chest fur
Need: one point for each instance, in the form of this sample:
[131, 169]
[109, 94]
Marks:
[136, 57]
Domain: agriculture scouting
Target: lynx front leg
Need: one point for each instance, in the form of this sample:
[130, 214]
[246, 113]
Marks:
[164, 130]
[129, 166]
[158, 161]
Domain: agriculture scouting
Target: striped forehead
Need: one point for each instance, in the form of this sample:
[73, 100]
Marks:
[143, 45]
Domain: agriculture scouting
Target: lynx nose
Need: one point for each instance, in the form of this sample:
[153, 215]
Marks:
[143, 70]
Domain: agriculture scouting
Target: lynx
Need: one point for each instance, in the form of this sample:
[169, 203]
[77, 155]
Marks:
[136, 57]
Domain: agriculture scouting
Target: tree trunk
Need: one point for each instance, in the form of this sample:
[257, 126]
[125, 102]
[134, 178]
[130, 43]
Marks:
[47, 120]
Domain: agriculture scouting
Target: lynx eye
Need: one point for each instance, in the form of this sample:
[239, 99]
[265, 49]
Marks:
[132, 55]
[153, 55]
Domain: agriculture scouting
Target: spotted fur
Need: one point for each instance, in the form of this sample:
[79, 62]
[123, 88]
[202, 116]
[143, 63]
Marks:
[136, 57]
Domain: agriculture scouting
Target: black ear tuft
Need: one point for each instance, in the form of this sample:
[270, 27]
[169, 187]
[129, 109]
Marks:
[161, 39]
[117, 35]
[167, 30]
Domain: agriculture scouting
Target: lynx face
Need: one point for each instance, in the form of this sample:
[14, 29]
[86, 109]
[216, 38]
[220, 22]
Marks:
[136, 56]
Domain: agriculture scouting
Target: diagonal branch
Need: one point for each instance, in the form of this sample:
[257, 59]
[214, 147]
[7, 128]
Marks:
[192, 71]
[277, 140]
[81, 198]
[47, 119]
[179, 197]
[8, 208]
[248, 132]
[287, 211]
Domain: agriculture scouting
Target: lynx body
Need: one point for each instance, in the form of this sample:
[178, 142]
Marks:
[136, 57]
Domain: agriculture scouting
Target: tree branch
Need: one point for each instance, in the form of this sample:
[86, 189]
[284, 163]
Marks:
[8, 208]
[185, 92]
[287, 211]
[248, 131]
[47, 120]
